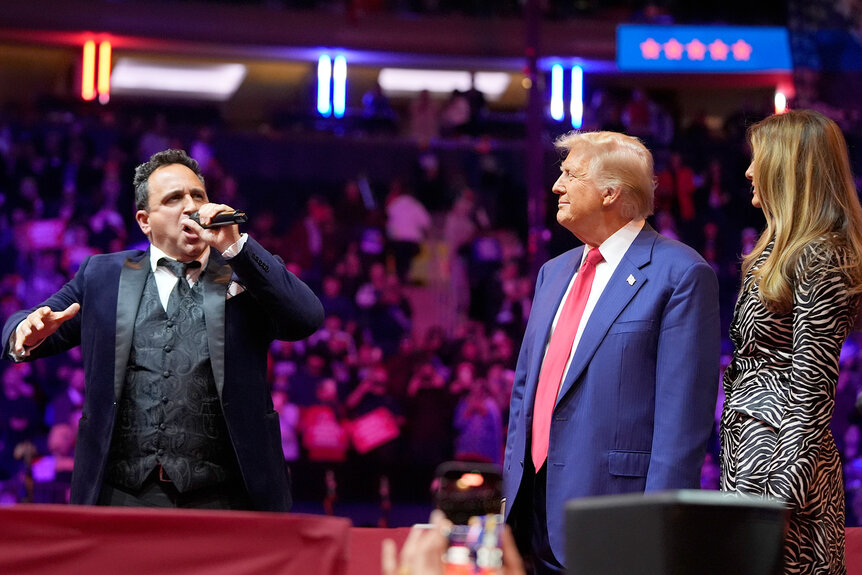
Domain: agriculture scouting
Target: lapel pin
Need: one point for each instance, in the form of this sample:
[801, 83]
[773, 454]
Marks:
[631, 280]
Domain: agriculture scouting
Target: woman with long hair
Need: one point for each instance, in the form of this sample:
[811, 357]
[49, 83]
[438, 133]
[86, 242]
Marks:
[799, 298]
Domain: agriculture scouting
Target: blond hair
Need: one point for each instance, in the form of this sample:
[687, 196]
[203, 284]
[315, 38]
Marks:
[803, 178]
[616, 161]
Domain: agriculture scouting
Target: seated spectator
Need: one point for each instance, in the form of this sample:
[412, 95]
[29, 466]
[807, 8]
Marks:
[76, 247]
[69, 401]
[334, 301]
[154, 139]
[637, 115]
[370, 292]
[349, 271]
[353, 208]
[424, 118]
[288, 418]
[514, 310]
[314, 242]
[20, 418]
[390, 319]
[53, 472]
[486, 257]
[455, 117]
[202, 150]
[308, 375]
[678, 183]
[107, 226]
[43, 279]
[290, 353]
[478, 426]
[478, 109]
[502, 350]
[500, 380]
[430, 183]
[666, 225]
[377, 111]
[401, 366]
[464, 379]
[265, 230]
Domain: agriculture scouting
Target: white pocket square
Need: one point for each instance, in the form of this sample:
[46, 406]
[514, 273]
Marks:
[234, 288]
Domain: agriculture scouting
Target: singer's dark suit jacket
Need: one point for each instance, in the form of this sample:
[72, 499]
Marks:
[274, 304]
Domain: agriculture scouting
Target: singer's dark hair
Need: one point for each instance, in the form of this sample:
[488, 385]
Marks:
[159, 160]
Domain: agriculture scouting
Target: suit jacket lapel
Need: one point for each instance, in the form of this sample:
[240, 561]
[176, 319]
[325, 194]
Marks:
[133, 278]
[615, 297]
[215, 283]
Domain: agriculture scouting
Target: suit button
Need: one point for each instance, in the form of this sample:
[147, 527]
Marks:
[160, 452]
[162, 426]
[170, 323]
[164, 400]
[166, 373]
[168, 349]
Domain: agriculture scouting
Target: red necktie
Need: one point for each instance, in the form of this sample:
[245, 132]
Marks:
[557, 356]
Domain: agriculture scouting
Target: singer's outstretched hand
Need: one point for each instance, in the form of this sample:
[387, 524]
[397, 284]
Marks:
[40, 324]
[221, 238]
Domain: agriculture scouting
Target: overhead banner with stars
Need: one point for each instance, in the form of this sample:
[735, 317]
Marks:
[702, 49]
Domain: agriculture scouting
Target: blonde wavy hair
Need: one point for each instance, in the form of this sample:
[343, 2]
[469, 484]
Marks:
[803, 177]
[616, 161]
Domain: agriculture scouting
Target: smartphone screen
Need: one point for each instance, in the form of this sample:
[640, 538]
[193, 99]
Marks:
[470, 494]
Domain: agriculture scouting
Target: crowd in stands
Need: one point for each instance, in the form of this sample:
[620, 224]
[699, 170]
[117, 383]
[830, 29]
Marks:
[391, 385]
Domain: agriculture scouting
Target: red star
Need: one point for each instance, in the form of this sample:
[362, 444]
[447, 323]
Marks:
[673, 49]
[718, 50]
[741, 50]
[650, 49]
[696, 49]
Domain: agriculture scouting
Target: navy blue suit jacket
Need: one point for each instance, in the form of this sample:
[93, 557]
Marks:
[637, 405]
[274, 305]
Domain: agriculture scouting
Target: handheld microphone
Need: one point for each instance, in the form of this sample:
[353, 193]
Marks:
[221, 219]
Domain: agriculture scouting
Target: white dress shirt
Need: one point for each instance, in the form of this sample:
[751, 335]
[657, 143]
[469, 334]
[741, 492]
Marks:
[612, 249]
[165, 278]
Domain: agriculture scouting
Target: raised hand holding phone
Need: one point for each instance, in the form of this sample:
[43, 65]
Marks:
[470, 495]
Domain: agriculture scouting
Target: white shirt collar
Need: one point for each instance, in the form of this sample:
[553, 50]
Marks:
[615, 247]
[156, 254]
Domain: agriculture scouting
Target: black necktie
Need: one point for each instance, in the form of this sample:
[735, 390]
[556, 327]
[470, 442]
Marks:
[182, 288]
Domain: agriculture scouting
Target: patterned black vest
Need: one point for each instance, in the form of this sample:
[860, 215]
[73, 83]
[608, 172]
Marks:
[169, 412]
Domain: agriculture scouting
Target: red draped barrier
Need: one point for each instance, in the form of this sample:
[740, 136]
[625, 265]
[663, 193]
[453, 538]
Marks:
[854, 551]
[365, 545]
[51, 539]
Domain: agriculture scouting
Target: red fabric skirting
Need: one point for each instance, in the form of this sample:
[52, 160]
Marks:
[51, 539]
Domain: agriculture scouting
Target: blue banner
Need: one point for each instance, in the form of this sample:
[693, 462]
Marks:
[688, 49]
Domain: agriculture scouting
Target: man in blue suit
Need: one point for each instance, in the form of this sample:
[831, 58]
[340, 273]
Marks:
[630, 405]
[177, 410]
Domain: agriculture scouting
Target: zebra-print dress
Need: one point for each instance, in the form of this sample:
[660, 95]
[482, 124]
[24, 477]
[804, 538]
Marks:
[779, 398]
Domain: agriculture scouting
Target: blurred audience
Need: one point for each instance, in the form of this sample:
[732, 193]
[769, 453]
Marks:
[389, 378]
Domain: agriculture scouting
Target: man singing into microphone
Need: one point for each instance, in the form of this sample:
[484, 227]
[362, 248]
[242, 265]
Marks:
[177, 410]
